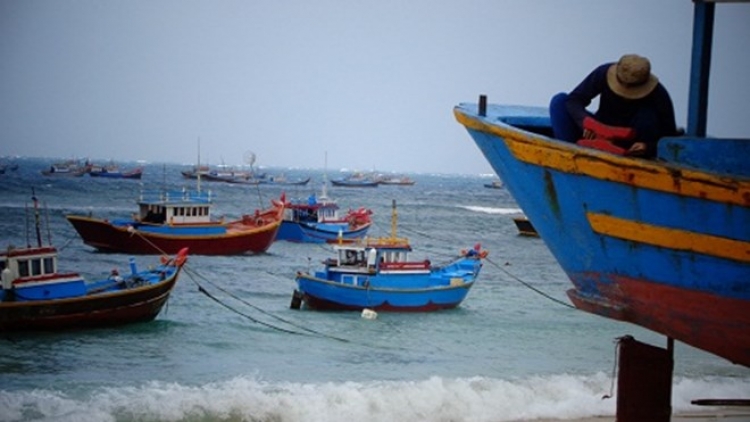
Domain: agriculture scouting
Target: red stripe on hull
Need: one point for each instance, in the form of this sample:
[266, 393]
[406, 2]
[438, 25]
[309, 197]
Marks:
[104, 236]
[718, 325]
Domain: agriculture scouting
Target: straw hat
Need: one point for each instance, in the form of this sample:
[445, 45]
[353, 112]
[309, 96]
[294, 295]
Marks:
[631, 77]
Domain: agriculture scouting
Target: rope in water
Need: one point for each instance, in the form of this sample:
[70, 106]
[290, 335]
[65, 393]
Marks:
[509, 274]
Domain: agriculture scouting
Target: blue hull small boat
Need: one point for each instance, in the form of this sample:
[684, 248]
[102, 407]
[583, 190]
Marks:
[378, 274]
[317, 220]
[35, 295]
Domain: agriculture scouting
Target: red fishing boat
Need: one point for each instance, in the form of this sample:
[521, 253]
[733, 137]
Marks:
[168, 221]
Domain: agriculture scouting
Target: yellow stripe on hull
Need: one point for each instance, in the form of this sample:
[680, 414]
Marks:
[720, 247]
[604, 166]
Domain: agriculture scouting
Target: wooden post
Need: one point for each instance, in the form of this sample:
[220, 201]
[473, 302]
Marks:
[644, 382]
[482, 105]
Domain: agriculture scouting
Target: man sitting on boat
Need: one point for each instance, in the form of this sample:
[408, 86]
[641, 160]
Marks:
[630, 97]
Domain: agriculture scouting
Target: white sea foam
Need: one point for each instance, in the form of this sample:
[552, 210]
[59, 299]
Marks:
[433, 399]
[492, 210]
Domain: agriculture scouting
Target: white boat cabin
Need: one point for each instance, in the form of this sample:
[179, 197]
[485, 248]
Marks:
[368, 257]
[177, 207]
[27, 263]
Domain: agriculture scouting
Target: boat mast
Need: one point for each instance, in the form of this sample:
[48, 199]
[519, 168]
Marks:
[394, 220]
[325, 177]
[36, 218]
[198, 169]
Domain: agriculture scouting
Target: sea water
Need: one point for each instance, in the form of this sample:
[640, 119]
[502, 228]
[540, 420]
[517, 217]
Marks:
[514, 350]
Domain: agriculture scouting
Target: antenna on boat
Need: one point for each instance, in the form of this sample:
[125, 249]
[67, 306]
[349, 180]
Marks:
[394, 220]
[325, 177]
[46, 222]
[198, 169]
[36, 217]
[26, 213]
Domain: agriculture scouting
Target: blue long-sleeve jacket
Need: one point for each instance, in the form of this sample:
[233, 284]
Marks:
[652, 116]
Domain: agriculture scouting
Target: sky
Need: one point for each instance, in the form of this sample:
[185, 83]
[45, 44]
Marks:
[361, 85]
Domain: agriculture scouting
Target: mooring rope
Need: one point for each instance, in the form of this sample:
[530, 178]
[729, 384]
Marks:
[192, 273]
[509, 274]
[529, 286]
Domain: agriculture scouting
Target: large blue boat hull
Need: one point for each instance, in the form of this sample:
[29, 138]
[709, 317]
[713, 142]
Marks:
[663, 245]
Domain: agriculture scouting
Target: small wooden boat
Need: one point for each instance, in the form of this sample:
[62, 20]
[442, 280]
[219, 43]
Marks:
[283, 181]
[114, 172]
[224, 174]
[35, 295]
[356, 180]
[317, 220]
[379, 274]
[168, 221]
[525, 227]
[495, 184]
[249, 180]
[396, 180]
[70, 168]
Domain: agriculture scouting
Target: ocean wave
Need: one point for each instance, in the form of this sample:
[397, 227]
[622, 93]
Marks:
[435, 399]
[492, 210]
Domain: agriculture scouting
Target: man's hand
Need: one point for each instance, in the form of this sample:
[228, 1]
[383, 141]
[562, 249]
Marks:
[638, 148]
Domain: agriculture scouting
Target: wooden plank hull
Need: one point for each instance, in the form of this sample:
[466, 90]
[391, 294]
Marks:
[107, 237]
[661, 243]
[97, 310]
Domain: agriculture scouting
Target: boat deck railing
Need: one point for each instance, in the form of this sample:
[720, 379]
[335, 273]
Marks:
[176, 196]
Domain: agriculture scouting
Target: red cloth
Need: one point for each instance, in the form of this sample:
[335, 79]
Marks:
[608, 132]
[605, 135]
[602, 145]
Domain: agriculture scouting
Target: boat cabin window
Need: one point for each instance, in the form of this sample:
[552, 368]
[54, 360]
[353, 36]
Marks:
[153, 214]
[36, 266]
[327, 213]
[3, 264]
[23, 268]
[353, 257]
[49, 265]
[395, 256]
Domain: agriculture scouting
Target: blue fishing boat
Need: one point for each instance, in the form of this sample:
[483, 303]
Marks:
[35, 295]
[664, 243]
[379, 274]
[317, 220]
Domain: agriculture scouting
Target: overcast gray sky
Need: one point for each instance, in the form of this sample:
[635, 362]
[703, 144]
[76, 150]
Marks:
[372, 83]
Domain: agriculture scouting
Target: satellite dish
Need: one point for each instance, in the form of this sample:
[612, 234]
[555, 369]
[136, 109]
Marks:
[249, 158]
